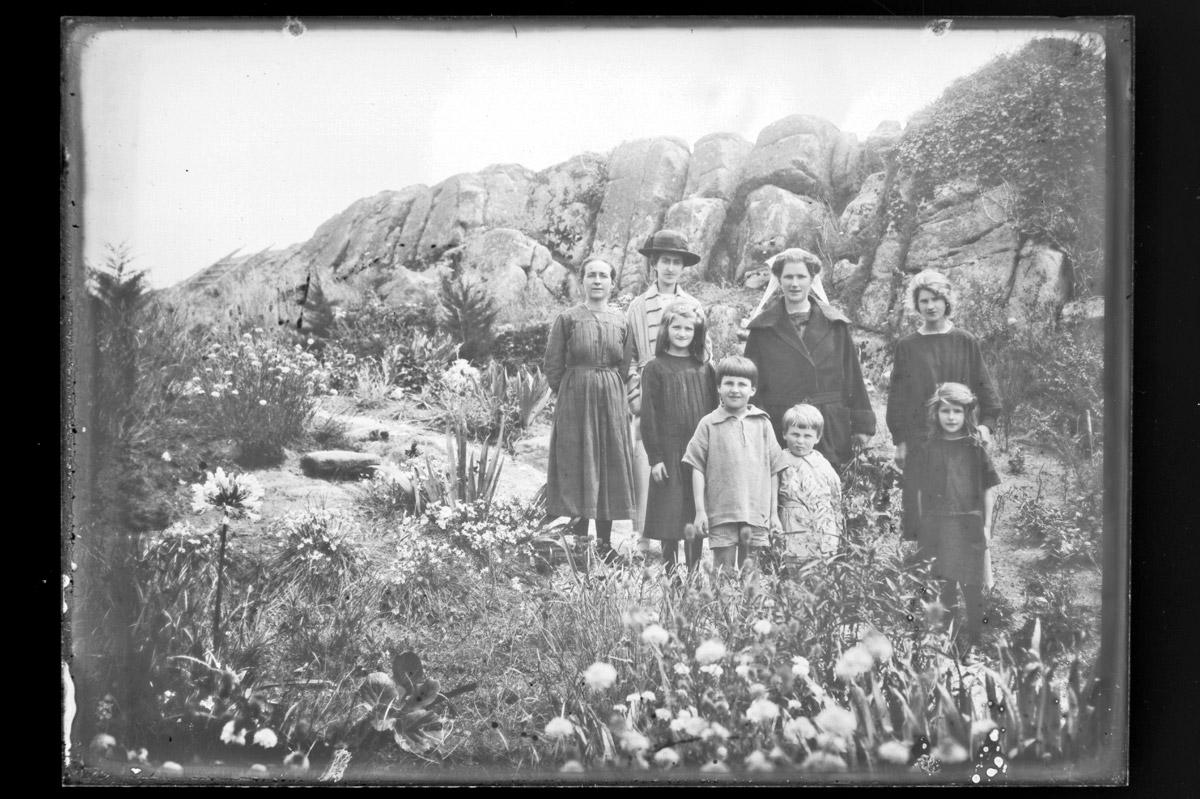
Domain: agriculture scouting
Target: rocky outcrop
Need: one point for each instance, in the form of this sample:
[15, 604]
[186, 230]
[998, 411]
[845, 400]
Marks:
[513, 267]
[715, 166]
[700, 220]
[563, 204]
[796, 154]
[645, 178]
[496, 197]
[803, 182]
[775, 219]
[364, 235]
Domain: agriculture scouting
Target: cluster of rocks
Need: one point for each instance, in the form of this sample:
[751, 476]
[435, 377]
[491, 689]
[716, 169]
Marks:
[803, 182]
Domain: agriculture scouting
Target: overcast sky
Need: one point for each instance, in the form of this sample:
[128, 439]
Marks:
[198, 142]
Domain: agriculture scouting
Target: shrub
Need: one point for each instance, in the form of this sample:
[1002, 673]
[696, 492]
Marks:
[315, 550]
[468, 312]
[1056, 623]
[259, 394]
[490, 404]
[516, 347]
[415, 363]
[1035, 120]
[367, 329]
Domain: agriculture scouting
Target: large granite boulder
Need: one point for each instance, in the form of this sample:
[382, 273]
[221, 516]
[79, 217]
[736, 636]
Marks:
[857, 222]
[365, 234]
[407, 251]
[700, 220]
[776, 219]
[563, 204]
[495, 197]
[794, 153]
[645, 178]
[511, 265]
[847, 170]
[715, 165]
[968, 229]
[882, 142]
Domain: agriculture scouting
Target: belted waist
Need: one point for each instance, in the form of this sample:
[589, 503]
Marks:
[592, 368]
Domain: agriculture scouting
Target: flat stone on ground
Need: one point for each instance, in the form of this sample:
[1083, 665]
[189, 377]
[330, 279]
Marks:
[339, 464]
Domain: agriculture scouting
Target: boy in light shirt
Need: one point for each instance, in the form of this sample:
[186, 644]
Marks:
[736, 461]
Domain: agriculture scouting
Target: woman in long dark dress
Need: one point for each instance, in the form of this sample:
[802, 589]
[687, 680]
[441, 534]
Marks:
[590, 474]
[938, 352]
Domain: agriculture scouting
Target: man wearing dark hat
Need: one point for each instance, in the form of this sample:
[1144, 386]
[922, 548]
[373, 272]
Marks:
[666, 254]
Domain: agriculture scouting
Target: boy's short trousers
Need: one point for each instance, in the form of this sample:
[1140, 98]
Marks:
[726, 535]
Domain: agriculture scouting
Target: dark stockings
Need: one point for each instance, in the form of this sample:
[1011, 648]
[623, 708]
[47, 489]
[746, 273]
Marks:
[691, 553]
[603, 535]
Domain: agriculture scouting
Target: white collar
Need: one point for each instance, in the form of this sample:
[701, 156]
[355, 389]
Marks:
[924, 332]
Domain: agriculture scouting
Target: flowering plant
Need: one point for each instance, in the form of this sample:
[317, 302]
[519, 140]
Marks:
[235, 495]
[258, 392]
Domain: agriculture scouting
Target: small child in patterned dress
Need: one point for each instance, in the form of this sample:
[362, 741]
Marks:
[810, 492]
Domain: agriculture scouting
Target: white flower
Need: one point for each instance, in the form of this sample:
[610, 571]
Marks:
[633, 741]
[648, 696]
[140, 755]
[228, 735]
[799, 730]
[794, 704]
[600, 676]
[236, 495]
[662, 713]
[837, 721]
[762, 627]
[207, 703]
[757, 690]
[853, 662]
[166, 456]
[234, 392]
[743, 671]
[714, 670]
[265, 738]
[655, 635]
[800, 666]
[572, 766]
[718, 731]
[666, 757]
[295, 762]
[216, 394]
[894, 752]
[170, 767]
[620, 708]
[757, 761]
[710, 651]
[262, 402]
[682, 669]
[559, 727]
[824, 761]
[879, 646]
[762, 711]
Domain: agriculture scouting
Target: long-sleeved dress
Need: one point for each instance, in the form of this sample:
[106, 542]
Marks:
[677, 392]
[952, 477]
[590, 473]
[922, 361]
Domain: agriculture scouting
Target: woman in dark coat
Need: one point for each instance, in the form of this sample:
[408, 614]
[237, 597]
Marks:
[936, 353]
[590, 473]
[804, 354]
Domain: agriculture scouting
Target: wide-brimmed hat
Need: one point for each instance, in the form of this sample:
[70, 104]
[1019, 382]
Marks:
[669, 241]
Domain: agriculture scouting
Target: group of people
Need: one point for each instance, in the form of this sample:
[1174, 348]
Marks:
[648, 428]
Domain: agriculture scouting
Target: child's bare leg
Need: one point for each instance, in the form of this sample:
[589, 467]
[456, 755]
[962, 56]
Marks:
[725, 558]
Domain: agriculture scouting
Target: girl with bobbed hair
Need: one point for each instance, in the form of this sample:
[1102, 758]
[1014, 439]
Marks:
[938, 352]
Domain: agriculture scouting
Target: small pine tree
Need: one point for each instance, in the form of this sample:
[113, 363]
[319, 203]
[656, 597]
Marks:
[316, 311]
[469, 314]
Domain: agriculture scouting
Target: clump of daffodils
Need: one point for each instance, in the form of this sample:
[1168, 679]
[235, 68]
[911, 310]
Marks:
[235, 495]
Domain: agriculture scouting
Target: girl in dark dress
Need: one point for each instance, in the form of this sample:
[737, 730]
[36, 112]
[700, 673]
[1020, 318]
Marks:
[938, 352]
[590, 473]
[678, 389]
[954, 484]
